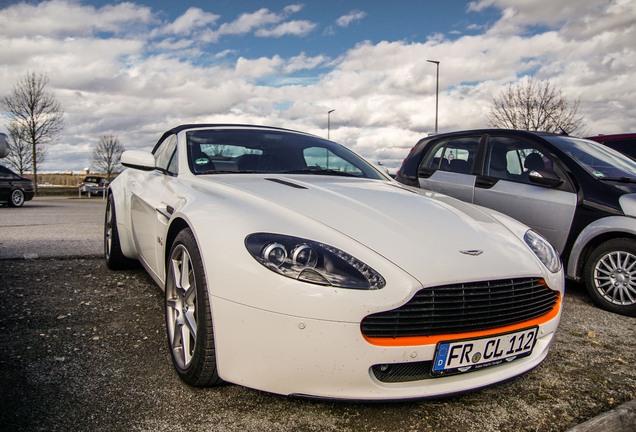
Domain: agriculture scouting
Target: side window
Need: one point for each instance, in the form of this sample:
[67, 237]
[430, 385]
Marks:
[513, 159]
[166, 154]
[5, 173]
[459, 155]
[434, 156]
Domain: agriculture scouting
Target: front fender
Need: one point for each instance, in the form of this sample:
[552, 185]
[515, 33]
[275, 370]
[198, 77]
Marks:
[121, 198]
[611, 224]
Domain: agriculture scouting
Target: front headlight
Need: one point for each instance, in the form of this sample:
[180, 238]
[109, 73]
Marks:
[312, 262]
[544, 250]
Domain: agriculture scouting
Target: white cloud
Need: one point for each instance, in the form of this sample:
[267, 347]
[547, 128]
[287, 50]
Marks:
[296, 28]
[345, 20]
[59, 18]
[190, 21]
[134, 85]
[259, 22]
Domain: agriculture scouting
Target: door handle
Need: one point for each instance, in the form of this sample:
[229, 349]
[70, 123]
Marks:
[485, 182]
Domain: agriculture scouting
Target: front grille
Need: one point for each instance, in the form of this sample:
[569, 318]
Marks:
[462, 308]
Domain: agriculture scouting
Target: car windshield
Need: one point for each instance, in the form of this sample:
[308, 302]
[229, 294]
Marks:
[223, 151]
[601, 161]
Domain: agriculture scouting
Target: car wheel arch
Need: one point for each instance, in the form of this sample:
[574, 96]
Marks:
[589, 239]
[177, 225]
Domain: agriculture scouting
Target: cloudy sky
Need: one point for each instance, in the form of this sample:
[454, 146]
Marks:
[135, 69]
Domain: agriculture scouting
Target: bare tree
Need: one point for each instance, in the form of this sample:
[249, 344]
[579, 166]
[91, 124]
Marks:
[107, 154]
[33, 115]
[21, 157]
[529, 105]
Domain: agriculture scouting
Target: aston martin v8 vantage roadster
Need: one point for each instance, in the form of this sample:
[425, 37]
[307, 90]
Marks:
[291, 265]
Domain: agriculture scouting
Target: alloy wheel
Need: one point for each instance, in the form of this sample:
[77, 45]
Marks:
[181, 307]
[17, 198]
[615, 278]
[108, 231]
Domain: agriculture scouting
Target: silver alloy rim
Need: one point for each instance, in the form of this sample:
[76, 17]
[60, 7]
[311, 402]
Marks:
[17, 198]
[108, 233]
[615, 278]
[181, 292]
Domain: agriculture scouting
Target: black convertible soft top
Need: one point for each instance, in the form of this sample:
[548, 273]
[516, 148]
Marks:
[177, 129]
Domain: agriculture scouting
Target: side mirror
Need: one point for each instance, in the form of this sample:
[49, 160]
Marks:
[545, 177]
[4, 146]
[138, 159]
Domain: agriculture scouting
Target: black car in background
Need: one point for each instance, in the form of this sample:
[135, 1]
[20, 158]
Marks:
[577, 193]
[624, 143]
[14, 190]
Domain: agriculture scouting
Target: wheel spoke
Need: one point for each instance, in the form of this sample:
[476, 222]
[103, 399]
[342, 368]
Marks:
[185, 271]
[600, 270]
[190, 322]
[604, 284]
[630, 292]
[186, 344]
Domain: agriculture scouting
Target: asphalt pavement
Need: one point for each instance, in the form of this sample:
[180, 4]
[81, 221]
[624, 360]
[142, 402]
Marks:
[64, 235]
[52, 227]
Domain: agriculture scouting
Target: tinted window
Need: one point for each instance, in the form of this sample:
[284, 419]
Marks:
[598, 159]
[325, 159]
[5, 173]
[434, 157]
[166, 155]
[459, 155]
[513, 159]
[263, 151]
[625, 145]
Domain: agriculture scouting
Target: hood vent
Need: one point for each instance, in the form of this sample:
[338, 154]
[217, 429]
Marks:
[286, 183]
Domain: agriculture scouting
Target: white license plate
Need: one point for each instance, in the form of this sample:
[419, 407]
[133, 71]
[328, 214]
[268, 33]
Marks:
[468, 354]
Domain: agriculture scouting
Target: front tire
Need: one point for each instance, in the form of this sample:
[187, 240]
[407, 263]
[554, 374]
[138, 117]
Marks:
[188, 317]
[610, 276]
[115, 258]
[17, 198]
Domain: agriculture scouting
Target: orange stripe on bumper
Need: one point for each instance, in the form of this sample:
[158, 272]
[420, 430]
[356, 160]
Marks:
[432, 340]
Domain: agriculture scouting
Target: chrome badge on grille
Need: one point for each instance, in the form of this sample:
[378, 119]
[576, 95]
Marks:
[474, 252]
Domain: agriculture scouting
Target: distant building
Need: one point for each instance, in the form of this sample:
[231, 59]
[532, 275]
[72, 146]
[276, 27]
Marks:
[85, 171]
[67, 172]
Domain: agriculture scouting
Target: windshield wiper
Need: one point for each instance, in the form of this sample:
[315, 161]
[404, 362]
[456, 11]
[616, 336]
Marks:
[229, 172]
[618, 179]
[320, 172]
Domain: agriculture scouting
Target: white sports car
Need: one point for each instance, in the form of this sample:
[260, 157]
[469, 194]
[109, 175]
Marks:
[293, 266]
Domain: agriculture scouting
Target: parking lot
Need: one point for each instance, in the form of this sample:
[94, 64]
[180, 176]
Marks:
[83, 348]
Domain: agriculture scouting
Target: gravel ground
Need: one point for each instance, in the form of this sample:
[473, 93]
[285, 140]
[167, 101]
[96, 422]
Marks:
[84, 348]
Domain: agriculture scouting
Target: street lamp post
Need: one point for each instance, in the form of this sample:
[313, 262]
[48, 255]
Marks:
[436, 92]
[329, 121]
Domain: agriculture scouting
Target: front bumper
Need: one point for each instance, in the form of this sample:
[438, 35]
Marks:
[292, 355]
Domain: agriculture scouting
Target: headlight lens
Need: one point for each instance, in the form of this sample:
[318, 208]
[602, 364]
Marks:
[312, 262]
[544, 250]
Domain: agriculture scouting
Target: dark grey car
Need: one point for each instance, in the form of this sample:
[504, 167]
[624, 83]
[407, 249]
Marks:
[578, 194]
[14, 189]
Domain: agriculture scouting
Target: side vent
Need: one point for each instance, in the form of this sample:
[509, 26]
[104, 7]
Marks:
[286, 183]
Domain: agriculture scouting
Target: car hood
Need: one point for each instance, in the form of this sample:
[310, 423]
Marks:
[422, 232]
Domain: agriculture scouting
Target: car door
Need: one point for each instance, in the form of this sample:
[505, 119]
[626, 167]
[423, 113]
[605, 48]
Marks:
[447, 167]
[506, 186]
[148, 210]
[6, 177]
